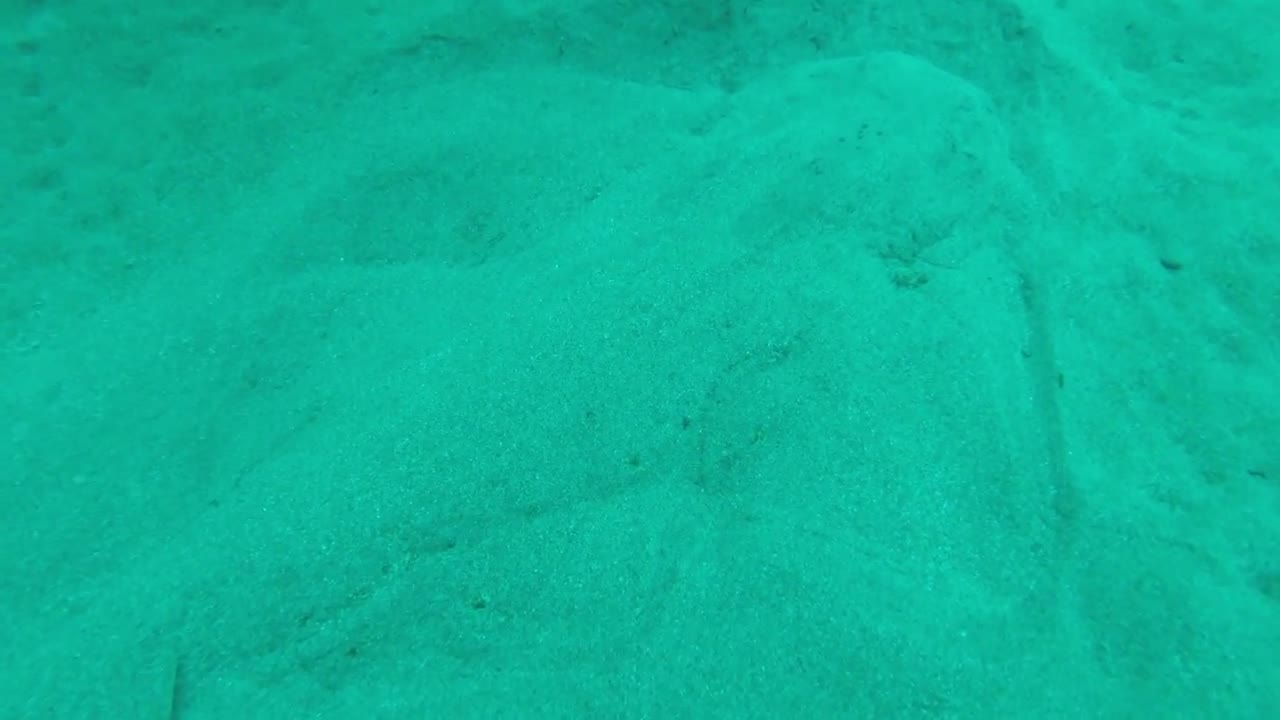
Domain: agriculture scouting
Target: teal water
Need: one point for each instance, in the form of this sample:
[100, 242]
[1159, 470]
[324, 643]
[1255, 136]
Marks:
[704, 359]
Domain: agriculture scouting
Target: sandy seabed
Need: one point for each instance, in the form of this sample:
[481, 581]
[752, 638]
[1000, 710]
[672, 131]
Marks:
[704, 359]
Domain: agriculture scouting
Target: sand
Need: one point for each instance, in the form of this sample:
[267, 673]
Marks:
[711, 359]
